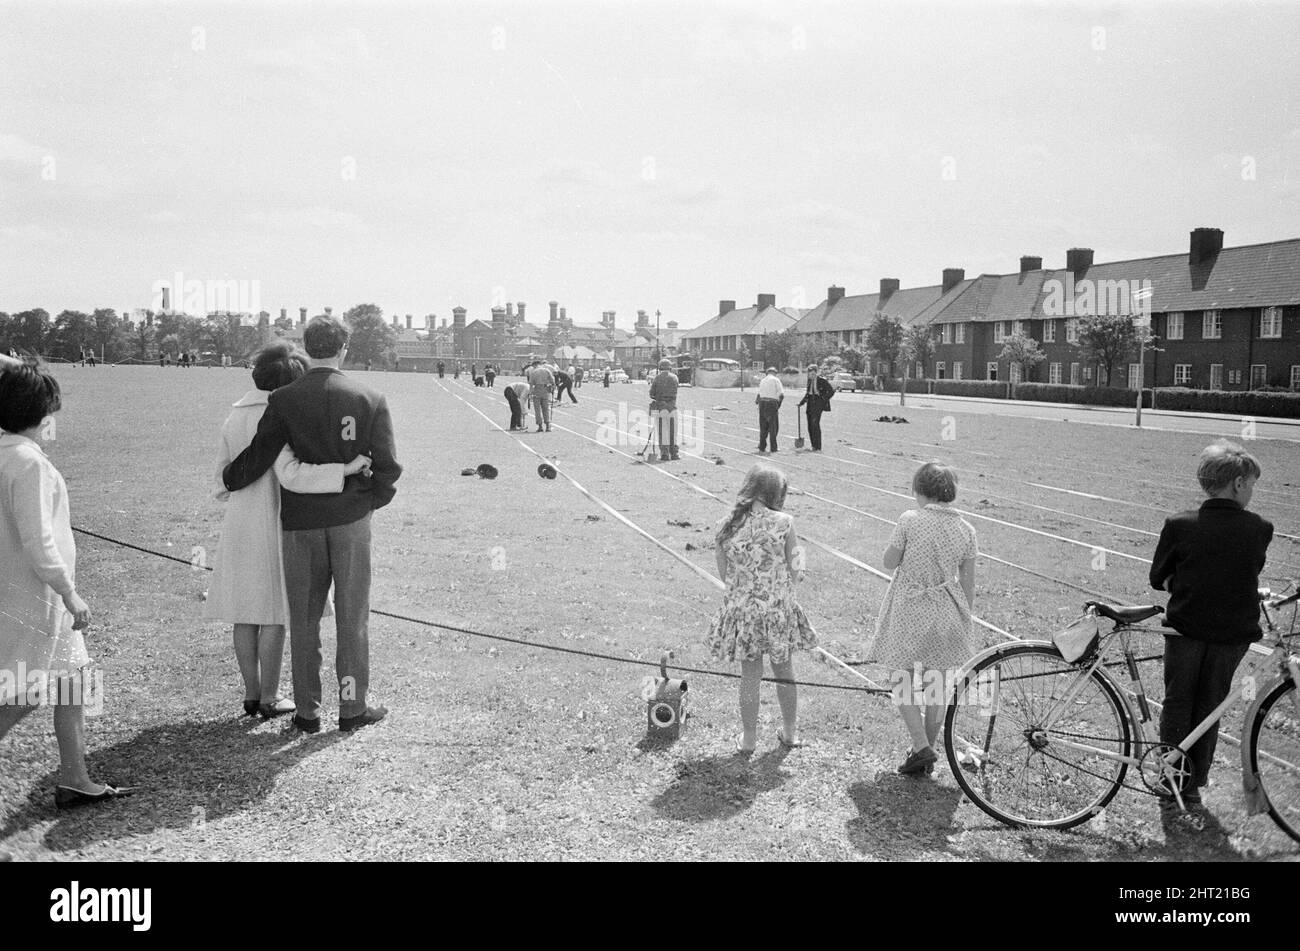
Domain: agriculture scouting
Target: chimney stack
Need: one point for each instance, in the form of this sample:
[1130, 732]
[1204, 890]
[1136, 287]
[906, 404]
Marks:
[1078, 259]
[833, 294]
[329, 311]
[444, 323]
[766, 300]
[498, 317]
[563, 314]
[887, 287]
[519, 309]
[510, 310]
[167, 299]
[672, 325]
[555, 310]
[284, 313]
[1205, 244]
[952, 276]
[302, 316]
[408, 321]
[1029, 263]
[726, 306]
[397, 322]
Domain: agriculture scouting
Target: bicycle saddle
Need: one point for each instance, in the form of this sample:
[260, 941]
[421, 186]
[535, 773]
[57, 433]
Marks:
[1126, 615]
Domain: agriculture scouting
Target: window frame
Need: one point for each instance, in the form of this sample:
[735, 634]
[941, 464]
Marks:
[1169, 325]
[1274, 316]
[1049, 331]
[1182, 374]
[1212, 319]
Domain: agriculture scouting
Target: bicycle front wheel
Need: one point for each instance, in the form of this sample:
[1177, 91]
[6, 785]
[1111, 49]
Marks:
[1035, 741]
[1275, 754]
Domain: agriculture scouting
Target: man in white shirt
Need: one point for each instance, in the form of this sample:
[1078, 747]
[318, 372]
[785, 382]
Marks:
[770, 396]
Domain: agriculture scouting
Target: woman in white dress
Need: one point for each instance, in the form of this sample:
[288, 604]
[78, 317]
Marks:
[248, 575]
[43, 656]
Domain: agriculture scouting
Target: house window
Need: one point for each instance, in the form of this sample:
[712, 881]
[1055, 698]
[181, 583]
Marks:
[1258, 375]
[1134, 376]
[992, 370]
[1295, 376]
[1212, 325]
[960, 333]
[1216, 376]
[1049, 331]
[1234, 377]
[940, 370]
[1270, 322]
[1074, 374]
[999, 331]
[1072, 330]
[956, 367]
[946, 333]
[1087, 373]
[1174, 326]
[1183, 374]
[1054, 373]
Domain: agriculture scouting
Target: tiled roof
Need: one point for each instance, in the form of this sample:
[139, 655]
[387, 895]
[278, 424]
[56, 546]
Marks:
[858, 311]
[744, 322]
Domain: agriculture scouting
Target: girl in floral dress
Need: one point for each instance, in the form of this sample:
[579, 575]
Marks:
[924, 627]
[760, 562]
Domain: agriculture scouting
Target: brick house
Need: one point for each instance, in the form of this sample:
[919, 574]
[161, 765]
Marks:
[723, 336]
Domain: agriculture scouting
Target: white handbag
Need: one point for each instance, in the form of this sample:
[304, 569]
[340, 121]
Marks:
[1080, 639]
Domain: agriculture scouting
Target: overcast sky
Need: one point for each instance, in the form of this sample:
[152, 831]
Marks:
[624, 155]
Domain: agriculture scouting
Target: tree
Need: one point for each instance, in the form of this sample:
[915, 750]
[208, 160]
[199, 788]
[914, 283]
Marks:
[809, 350]
[778, 346]
[107, 336]
[1022, 350]
[885, 338]
[372, 340]
[142, 341]
[1110, 341]
[29, 330]
[918, 346]
[70, 335]
[854, 359]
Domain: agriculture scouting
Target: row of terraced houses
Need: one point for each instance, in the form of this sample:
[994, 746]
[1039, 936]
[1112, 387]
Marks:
[1223, 318]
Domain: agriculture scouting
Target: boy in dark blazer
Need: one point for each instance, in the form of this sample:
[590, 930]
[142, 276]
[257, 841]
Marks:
[326, 416]
[1209, 561]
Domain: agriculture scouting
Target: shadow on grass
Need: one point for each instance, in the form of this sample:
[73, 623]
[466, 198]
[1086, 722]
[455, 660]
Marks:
[900, 816]
[188, 773]
[719, 787]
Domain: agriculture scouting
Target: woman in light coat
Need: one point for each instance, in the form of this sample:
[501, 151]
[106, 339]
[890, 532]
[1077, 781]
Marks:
[248, 575]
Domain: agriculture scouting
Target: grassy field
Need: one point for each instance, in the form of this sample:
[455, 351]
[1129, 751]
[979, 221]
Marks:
[497, 751]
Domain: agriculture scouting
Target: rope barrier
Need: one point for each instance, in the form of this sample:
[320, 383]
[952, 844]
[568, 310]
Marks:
[596, 655]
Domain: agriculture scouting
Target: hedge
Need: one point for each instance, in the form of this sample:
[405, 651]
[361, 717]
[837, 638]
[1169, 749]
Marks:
[1085, 395]
[1234, 403]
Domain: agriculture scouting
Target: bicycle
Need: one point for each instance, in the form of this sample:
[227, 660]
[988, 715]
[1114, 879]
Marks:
[1035, 740]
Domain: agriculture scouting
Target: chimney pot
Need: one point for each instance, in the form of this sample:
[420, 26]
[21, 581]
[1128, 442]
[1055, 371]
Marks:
[1030, 263]
[1078, 259]
[834, 293]
[1205, 244]
[952, 276]
[887, 287]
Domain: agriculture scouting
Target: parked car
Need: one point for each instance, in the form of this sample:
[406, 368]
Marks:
[844, 381]
[619, 376]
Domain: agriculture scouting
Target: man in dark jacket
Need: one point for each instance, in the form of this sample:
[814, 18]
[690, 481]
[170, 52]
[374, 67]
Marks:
[1209, 560]
[563, 382]
[663, 409]
[818, 399]
[327, 417]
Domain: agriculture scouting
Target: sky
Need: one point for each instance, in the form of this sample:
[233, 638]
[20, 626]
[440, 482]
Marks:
[623, 156]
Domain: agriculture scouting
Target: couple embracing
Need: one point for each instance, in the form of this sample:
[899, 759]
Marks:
[288, 536]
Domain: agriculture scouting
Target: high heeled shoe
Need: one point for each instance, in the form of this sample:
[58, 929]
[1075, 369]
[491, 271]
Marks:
[66, 797]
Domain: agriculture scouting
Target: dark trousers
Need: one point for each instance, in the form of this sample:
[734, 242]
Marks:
[769, 422]
[561, 390]
[489, 377]
[815, 427]
[516, 409]
[665, 421]
[1198, 676]
[312, 559]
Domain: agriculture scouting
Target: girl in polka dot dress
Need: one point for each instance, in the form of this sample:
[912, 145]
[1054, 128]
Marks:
[924, 627]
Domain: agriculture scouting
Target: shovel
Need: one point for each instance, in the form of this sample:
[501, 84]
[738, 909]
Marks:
[798, 418]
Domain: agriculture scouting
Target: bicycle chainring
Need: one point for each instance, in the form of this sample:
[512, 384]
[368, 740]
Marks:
[1161, 777]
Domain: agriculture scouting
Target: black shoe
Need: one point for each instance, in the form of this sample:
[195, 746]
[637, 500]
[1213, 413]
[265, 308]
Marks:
[65, 797]
[250, 708]
[303, 725]
[371, 716]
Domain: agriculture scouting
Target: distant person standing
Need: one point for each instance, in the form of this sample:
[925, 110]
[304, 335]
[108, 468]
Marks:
[441, 369]
[663, 410]
[606, 377]
[818, 400]
[771, 394]
[540, 383]
[489, 374]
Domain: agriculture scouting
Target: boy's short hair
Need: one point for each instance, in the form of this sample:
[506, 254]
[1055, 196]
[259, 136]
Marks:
[277, 364]
[28, 393]
[1222, 463]
[935, 481]
[325, 337]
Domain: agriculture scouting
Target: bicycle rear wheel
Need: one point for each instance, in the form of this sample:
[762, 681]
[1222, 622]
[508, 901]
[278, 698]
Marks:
[1275, 754]
[1006, 730]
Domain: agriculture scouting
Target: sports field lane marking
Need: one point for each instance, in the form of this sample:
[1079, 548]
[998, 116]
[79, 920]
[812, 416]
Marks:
[703, 573]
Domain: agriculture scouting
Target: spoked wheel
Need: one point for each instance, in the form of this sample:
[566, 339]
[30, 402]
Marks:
[1007, 729]
[1275, 754]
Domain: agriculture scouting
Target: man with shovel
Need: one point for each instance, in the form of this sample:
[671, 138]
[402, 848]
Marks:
[818, 400]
